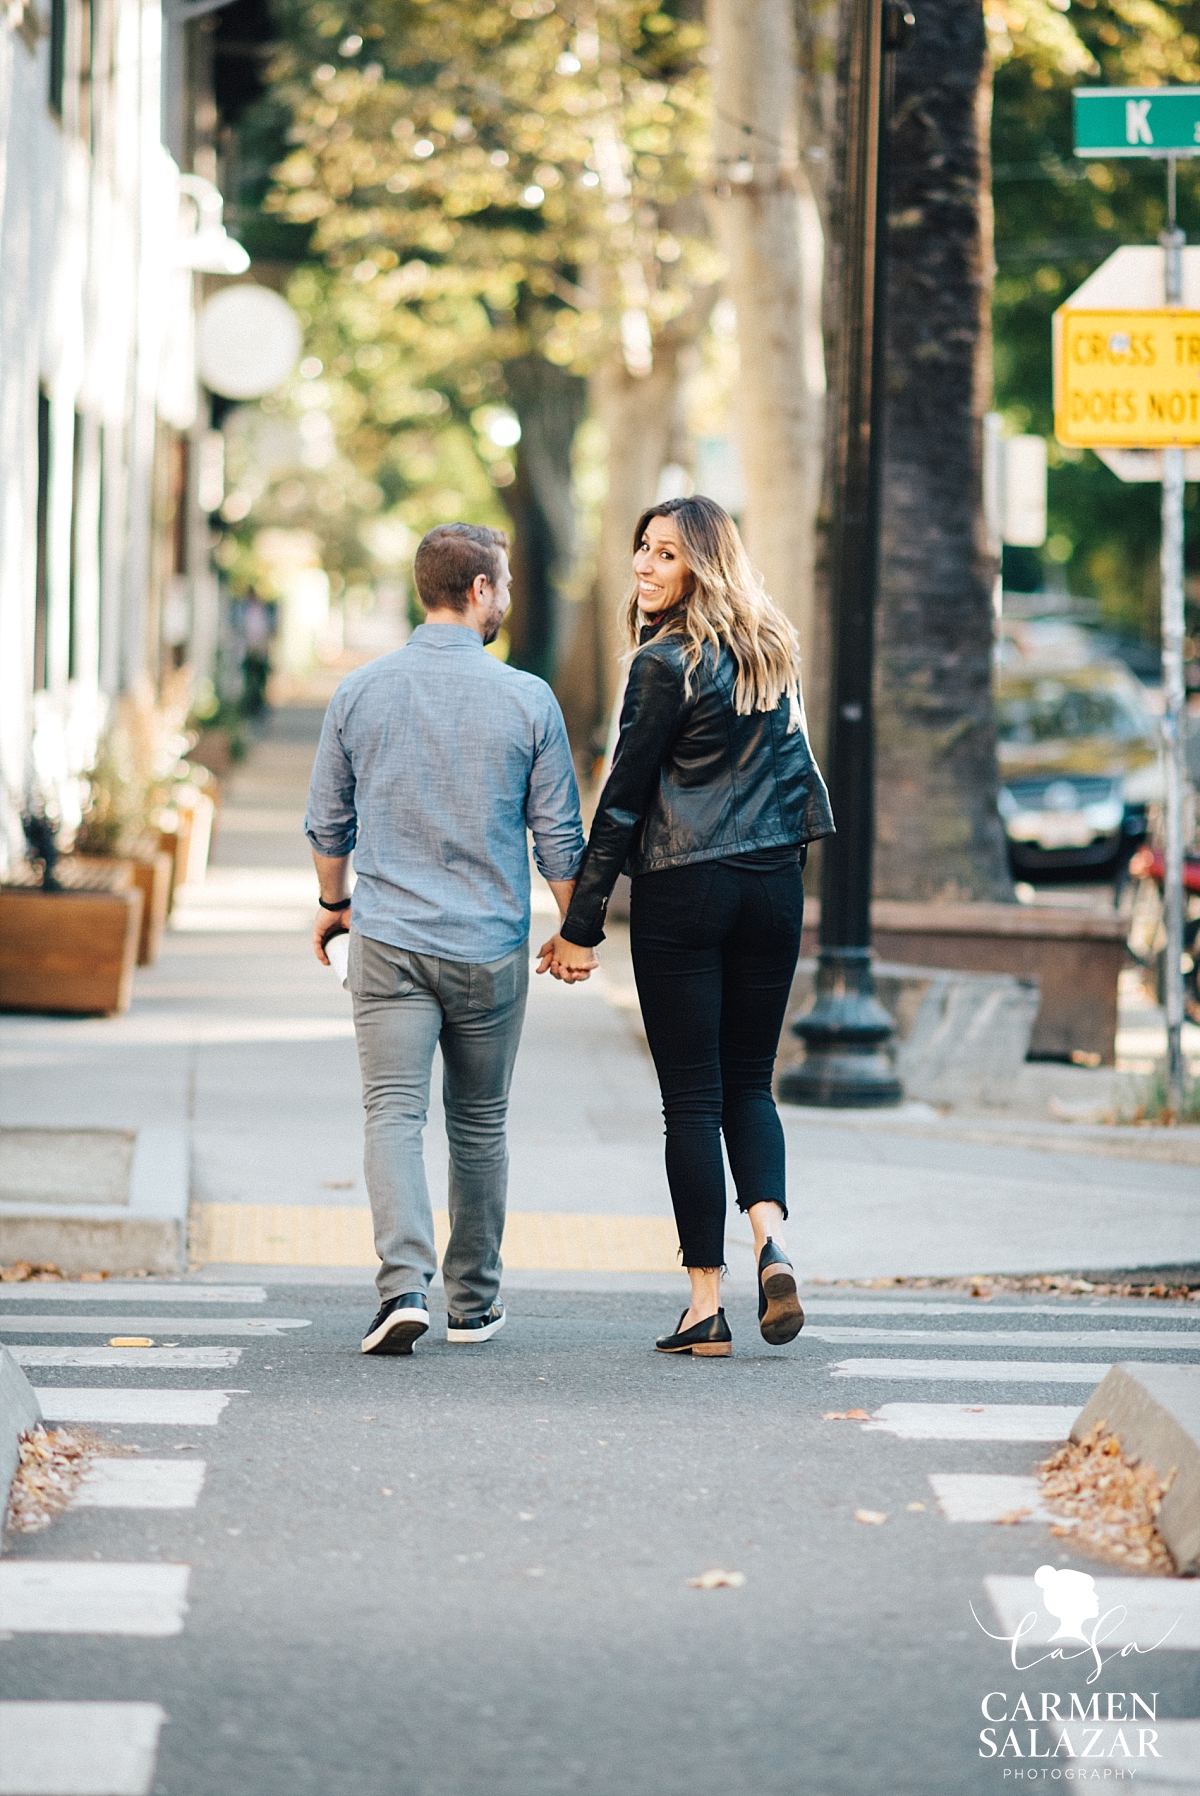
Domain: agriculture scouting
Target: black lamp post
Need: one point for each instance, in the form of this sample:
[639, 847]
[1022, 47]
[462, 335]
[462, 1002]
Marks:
[848, 1032]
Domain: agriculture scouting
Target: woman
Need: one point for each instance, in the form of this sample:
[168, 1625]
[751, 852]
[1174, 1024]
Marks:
[712, 799]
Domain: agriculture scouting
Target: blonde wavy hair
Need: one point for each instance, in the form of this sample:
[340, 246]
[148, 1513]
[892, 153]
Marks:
[726, 607]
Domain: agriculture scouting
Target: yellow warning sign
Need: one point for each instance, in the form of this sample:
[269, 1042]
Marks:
[1127, 379]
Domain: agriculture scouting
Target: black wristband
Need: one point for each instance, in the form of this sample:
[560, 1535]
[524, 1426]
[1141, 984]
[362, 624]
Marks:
[342, 904]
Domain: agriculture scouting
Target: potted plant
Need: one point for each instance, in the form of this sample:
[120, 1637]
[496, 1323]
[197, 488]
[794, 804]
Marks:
[146, 805]
[65, 946]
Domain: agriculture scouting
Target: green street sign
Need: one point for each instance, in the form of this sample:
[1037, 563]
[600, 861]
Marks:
[1137, 121]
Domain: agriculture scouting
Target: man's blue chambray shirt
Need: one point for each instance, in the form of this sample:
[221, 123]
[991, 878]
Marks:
[433, 762]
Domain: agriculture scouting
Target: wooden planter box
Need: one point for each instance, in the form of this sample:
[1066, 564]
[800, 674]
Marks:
[1076, 955]
[152, 877]
[71, 953]
[150, 874]
[189, 842]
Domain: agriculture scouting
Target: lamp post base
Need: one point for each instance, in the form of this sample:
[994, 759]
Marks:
[849, 1037]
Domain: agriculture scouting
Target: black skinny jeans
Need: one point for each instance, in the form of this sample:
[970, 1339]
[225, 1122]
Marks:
[714, 951]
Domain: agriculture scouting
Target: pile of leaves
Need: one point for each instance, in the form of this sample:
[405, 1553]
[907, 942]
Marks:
[1109, 1506]
[1040, 1284]
[23, 1272]
[50, 1465]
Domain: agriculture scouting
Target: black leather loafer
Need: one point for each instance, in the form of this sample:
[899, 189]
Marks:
[780, 1317]
[709, 1339]
[399, 1323]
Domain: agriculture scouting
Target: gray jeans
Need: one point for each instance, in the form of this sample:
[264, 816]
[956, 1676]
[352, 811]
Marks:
[405, 1005]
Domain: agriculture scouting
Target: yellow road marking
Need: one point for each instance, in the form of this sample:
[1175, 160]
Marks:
[340, 1235]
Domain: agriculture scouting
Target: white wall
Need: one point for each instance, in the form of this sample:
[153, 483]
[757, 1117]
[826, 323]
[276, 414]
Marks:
[88, 297]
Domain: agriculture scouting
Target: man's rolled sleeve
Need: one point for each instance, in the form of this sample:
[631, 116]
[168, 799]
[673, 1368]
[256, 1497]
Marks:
[552, 804]
[330, 822]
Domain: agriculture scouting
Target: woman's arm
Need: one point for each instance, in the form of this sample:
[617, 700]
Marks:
[650, 719]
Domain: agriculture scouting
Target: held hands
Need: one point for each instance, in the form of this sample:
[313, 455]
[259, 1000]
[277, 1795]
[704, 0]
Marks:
[566, 961]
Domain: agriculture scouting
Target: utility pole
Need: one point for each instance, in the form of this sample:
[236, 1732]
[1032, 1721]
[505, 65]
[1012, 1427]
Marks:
[1171, 552]
[848, 1033]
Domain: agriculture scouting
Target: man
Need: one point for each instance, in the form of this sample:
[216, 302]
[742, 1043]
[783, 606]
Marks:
[433, 762]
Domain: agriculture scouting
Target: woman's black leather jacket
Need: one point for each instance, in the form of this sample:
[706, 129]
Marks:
[692, 780]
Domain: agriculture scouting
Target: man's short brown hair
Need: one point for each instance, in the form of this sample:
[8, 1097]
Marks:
[449, 559]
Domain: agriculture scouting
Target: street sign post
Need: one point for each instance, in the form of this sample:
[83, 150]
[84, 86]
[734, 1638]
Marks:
[1153, 122]
[1125, 379]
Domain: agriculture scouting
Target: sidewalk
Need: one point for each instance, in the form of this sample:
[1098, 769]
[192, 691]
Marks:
[238, 1033]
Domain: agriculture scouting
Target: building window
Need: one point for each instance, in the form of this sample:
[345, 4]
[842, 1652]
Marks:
[41, 601]
[58, 55]
[76, 488]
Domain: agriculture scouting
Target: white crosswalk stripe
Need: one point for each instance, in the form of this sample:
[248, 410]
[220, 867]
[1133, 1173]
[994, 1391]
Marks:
[985, 1309]
[1142, 1612]
[160, 1359]
[111, 1291]
[1174, 1340]
[1004, 1371]
[97, 1403]
[986, 1496]
[106, 1748]
[54, 1596]
[78, 1748]
[1176, 1743]
[148, 1325]
[973, 1422]
[141, 1484]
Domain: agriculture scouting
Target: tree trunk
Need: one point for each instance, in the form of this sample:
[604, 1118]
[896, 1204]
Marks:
[638, 415]
[769, 228]
[549, 403]
[938, 834]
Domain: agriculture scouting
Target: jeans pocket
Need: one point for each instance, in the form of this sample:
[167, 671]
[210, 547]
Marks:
[493, 986]
[673, 903]
[786, 890]
[376, 970]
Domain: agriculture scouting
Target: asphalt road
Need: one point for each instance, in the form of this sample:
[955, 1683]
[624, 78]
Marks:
[467, 1570]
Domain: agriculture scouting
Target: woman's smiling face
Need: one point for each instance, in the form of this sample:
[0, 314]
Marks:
[661, 567]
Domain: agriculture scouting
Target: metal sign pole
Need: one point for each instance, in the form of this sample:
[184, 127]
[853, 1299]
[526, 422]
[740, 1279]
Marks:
[1171, 565]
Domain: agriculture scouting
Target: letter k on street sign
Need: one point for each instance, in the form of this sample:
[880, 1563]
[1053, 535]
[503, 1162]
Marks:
[1137, 121]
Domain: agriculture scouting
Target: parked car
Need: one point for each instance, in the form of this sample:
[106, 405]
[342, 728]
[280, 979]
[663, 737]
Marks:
[1079, 766]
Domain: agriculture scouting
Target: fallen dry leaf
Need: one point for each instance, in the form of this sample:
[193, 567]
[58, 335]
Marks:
[1012, 1518]
[338, 1184]
[874, 1517]
[717, 1580]
[915, 1508]
[1105, 1503]
[21, 1271]
[130, 1341]
[846, 1415]
[50, 1464]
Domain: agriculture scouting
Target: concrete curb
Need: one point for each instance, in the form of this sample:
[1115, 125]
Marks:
[148, 1233]
[1155, 1411]
[19, 1411]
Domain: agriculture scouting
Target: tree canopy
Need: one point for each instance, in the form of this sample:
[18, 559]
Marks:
[1057, 218]
[483, 184]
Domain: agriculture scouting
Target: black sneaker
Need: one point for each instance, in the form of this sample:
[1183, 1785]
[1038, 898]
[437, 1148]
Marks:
[475, 1328]
[400, 1322]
